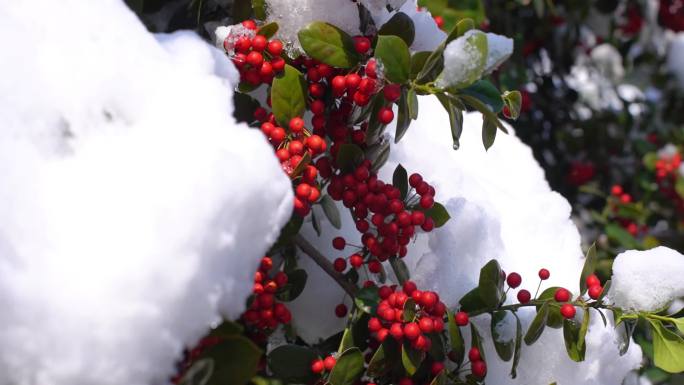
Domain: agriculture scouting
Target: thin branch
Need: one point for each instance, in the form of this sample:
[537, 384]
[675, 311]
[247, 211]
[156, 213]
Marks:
[325, 264]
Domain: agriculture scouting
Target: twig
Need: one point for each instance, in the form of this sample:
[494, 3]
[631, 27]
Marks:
[325, 264]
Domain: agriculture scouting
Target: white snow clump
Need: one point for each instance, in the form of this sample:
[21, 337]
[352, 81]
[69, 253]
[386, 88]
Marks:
[127, 195]
[647, 280]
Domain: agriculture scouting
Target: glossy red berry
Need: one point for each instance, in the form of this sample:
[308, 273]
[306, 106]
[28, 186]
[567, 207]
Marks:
[461, 318]
[317, 366]
[255, 59]
[436, 368]
[356, 261]
[339, 243]
[514, 280]
[361, 44]
[275, 47]
[544, 274]
[524, 296]
[341, 310]
[592, 280]
[340, 264]
[411, 331]
[479, 369]
[595, 291]
[567, 310]
[396, 331]
[562, 295]
[409, 287]
[329, 363]
[616, 190]
[249, 24]
[474, 354]
[392, 92]
[259, 43]
[426, 325]
[374, 325]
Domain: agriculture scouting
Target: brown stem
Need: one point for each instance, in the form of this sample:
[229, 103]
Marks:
[325, 264]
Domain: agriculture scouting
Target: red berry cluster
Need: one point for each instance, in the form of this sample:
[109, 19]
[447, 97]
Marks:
[257, 58]
[621, 198]
[666, 174]
[391, 320]
[594, 286]
[477, 364]
[264, 312]
[319, 366]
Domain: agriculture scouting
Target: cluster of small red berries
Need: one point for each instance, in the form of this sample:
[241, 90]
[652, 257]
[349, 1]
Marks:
[264, 312]
[257, 58]
[477, 365]
[622, 198]
[393, 221]
[666, 174]
[390, 319]
[319, 366]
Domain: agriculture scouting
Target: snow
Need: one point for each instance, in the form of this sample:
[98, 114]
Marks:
[428, 35]
[647, 280]
[123, 236]
[501, 207]
[293, 15]
[608, 61]
[499, 49]
[463, 61]
[675, 58]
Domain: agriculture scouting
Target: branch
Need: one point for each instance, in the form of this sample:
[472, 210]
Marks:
[325, 264]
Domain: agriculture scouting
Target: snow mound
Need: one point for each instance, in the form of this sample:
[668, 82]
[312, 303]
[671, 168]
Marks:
[428, 35]
[123, 234]
[499, 49]
[647, 280]
[462, 60]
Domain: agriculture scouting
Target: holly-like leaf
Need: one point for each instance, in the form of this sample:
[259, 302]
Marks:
[589, 267]
[331, 211]
[328, 44]
[491, 283]
[455, 339]
[512, 100]
[347, 340]
[400, 180]
[472, 301]
[537, 326]
[199, 373]
[259, 7]
[606, 289]
[668, 348]
[418, 60]
[235, 358]
[438, 213]
[573, 334]
[395, 58]
[403, 116]
[411, 358]
[504, 347]
[348, 369]
[378, 364]
[288, 95]
[412, 100]
[409, 310]
[367, 299]
[292, 362]
[296, 281]
[268, 30]
[455, 119]
[436, 347]
[399, 25]
[488, 132]
[554, 319]
[487, 93]
[518, 346]
[349, 156]
[375, 127]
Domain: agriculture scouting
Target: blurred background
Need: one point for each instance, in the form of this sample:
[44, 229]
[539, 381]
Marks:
[603, 106]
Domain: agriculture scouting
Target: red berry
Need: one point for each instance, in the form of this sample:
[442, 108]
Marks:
[339, 243]
[479, 369]
[317, 366]
[562, 295]
[392, 92]
[409, 287]
[317, 107]
[303, 191]
[374, 266]
[352, 81]
[411, 331]
[259, 43]
[372, 69]
[278, 64]
[266, 264]
[255, 59]
[374, 325]
[281, 279]
[461, 318]
[426, 202]
[361, 44]
[592, 280]
[329, 363]
[439, 20]
[436, 368]
[544, 274]
[514, 280]
[426, 325]
[524, 296]
[625, 198]
[616, 190]
[275, 47]
[405, 381]
[341, 310]
[567, 310]
[356, 261]
[340, 264]
[415, 180]
[474, 354]
[396, 331]
[249, 24]
[595, 291]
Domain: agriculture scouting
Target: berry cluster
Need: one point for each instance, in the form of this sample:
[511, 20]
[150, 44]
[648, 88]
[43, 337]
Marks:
[319, 366]
[408, 315]
[264, 312]
[620, 199]
[257, 58]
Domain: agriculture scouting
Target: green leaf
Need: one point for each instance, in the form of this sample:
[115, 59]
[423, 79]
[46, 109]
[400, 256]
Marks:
[227, 329]
[537, 326]
[439, 214]
[395, 58]
[296, 281]
[399, 25]
[504, 348]
[288, 95]
[513, 100]
[328, 44]
[331, 211]
[367, 299]
[472, 301]
[292, 362]
[259, 7]
[375, 128]
[679, 323]
[455, 338]
[554, 319]
[411, 358]
[491, 283]
[484, 110]
[679, 187]
[573, 334]
[436, 347]
[412, 100]
[378, 154]
[621, 236]
[488, 132]
[199, 373]
[400, 269]
[487, 93]
[668, 348]
[306, 159]
[268, 30]
[518, 346]
[378, 364]
[589, 267]
[606, 289]
[418, 60]
[463, 26]
[455, 119]
[349, 157]
[476, 340]
[440, 379]
[409, 310]
[315, 223]
[236, 360]
[476, 41]
[400, 180]
[347, 340]
[403, 116]
[348, 369]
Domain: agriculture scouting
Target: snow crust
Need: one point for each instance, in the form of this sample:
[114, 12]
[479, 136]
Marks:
[462, 60]
[428, 35]
[499, 49]
[127, 195]
[647, 280]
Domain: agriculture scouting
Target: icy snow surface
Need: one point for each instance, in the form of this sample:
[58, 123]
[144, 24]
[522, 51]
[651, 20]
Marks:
[501, 207]
[127, 195]
[647, 280]
[462, 61]
[499, 48]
